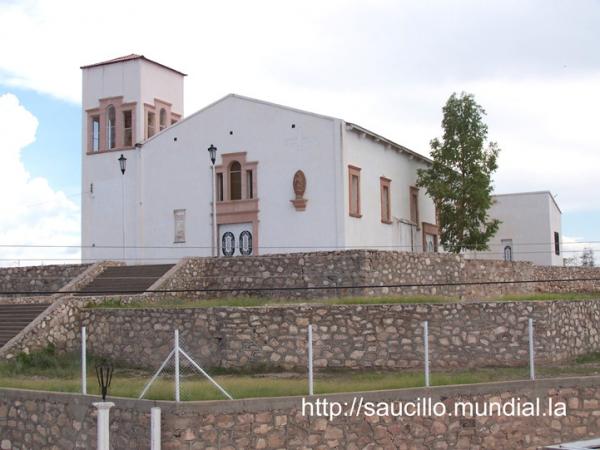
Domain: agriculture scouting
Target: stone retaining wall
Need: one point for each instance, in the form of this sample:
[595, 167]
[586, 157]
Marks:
[38, 278]
[43, 420]
[35, 420]
[60, 322]
[351, 336]
[330, 274]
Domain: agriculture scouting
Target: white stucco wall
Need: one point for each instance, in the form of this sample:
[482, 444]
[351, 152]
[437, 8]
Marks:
[176, 175]
[102, 209]
[529, 219]
[376, 159]
[161, 83]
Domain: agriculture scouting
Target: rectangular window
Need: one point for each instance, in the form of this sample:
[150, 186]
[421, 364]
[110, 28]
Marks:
[95, 133]
[430, 238]
[386, 213]
[150, 124]
[354, 190]
[430, 245]
[556, 243]
[127, 129]
[179, 215]
[414, 206]
[249, 187]
[219, 187]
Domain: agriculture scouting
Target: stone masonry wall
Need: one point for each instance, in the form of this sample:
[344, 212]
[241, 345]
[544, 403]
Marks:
[59, 323]
[330, 274]
[351, 336]
[38, 278]
[43, 420]
[35, 420]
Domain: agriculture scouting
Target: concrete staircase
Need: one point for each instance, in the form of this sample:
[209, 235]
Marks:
[13, 318]
[125, 279]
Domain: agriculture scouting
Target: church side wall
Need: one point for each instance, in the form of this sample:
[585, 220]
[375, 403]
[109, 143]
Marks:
[377, 160]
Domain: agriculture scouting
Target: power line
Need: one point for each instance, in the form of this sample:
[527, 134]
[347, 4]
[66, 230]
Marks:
[266, 246]
[300, 288]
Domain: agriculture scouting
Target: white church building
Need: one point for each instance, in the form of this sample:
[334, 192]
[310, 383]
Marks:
[286, 180]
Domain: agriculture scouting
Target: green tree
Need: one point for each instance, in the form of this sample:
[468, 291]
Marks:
[459, 180]
[587, 257]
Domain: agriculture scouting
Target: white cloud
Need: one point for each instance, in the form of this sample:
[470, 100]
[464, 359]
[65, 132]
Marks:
[32, 212]
[389, 66]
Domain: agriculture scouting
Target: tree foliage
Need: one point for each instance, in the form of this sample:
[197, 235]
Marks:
[587, 257]
[459, 180]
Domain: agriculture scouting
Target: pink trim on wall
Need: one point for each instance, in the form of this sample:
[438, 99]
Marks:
[101, 111]
[155, 108]
[244, 210]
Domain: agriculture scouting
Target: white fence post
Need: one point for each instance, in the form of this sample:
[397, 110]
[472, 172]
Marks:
[426, 350]
[83, 361]
[103, 424]
[310, 361]
[155, 428]
[176, 365]
[531, 351]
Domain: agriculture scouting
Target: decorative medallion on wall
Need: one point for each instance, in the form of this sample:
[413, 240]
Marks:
[228, 244]
[245, 243]
[299, 185]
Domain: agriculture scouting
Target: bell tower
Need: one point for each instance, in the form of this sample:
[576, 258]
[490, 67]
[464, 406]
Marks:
[125, 101]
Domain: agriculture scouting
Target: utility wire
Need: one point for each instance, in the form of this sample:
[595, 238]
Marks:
[298, 288]
[268, 246]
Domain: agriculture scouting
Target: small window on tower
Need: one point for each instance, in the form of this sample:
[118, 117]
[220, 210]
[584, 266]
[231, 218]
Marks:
[150, 127]
[162, 119]
[111, 137]
[95, 133]
[249, 182]
[127, 129]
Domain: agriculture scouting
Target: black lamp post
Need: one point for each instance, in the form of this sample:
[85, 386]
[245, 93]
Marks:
[104, 373]
[212, 151]
[123, 164]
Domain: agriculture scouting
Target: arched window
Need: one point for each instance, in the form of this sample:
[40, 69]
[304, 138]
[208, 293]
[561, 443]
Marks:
[162, 119]
[235, 181]
[508, 253]
[111, 138]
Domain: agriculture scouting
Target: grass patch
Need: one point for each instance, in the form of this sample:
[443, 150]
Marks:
[48, 371]
[239, 302]
[590, 358]
[257, 301]
[541, 297]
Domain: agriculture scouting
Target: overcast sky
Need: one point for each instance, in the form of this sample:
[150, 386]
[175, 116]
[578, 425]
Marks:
[387, 65]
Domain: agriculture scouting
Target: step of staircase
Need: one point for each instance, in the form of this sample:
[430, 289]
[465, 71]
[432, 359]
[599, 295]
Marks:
[125, 279]
[13, 318]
